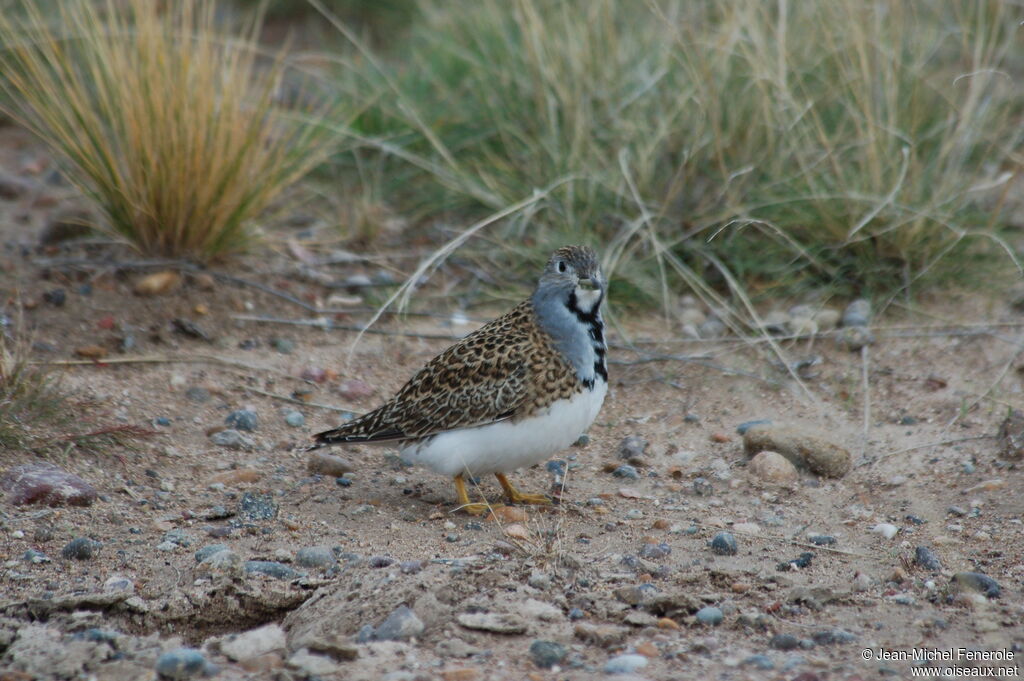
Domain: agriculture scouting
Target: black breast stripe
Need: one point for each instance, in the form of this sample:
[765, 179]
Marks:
[595, 329]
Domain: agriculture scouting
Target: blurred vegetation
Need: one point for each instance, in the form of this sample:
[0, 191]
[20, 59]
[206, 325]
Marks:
[864, 147]
[172, 126]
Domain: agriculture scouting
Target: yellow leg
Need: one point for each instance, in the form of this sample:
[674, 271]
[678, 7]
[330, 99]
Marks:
[464, 503]
[517, 497]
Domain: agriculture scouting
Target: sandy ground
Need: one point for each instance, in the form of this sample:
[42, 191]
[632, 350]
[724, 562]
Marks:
[919, 413]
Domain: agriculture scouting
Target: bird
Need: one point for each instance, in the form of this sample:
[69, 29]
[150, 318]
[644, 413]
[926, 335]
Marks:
[508, 395]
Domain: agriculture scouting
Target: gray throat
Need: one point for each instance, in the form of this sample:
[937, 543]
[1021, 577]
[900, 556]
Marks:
[578, 334]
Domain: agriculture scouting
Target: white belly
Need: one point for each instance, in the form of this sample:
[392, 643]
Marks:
[504, 446]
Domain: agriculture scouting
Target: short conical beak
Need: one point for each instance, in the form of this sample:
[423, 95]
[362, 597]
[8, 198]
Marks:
[588, 283]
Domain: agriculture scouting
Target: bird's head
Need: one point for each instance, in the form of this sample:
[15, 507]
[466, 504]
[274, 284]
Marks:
[574, 275]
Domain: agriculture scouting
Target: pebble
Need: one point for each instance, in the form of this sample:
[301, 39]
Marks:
[747, 425]
[854, 338]
[821, 539]
[182, 663]
[626, 471]
[887, 530]
[197, 395]
[625, 664]
[35, 557]
[157, 283]
[655, 551]
[857, 313]
[555, 466]
[927, 559]
[232, 439]
[255, 642]
[270, 569]
[56, 297]
[225, 562]
[495, 622]
[80, 548]
[710, 615]
[774, 468]
[975, 581]
[410, 567]
[632, 447]
[702, 487]
[295, 419]
[759, 662]
[784, 642]
[43, 483]
[312, 665]
[801, 561]
[547, 654]
[242, 419]
[827, 319]
[801, 446]
[328, 464]
[724, 544]
[603, 635]
[402, 624]
[283, 345]
[316, 557]
[208, 550]
[257, 506]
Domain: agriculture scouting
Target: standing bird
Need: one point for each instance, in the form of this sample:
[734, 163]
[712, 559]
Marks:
[508, 395]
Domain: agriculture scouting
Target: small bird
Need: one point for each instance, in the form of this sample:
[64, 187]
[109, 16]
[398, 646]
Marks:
[508, 395]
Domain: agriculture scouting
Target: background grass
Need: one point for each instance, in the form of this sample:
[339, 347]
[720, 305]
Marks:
[167, 122]
[860, 147]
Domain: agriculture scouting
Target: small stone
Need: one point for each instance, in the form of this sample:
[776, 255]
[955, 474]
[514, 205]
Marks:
[759, 662]
[182, 663]
[35, 557]
[295, 419]
[225, 562]
[80, 548]
[857, 313]
[498, 623]
[232, 439]
[254, 643]
[821, 539]
[312, 665]
[747, 425]
[547, 654]
[56, 297]
[43, 483]
[702, 487]
[854, 338]
[626, 471]
[270, 569]
[632, 447]
[710, 615]
[402, 624]
[927, 559]
[975, 581]
[328, 464]
[603, 635]
[354, 389]
[625, 664]
[179, 537]
[321, 557]
[887, 530]
[257, 506]
[827, 319]
[197, 395]
[784, 642]
[208, 550]
[283, 345]
[655, 551]
[410, 567]
[91, 351]
[774, 468]
[158, 283]
[798, 563]
[802, 446]
[724, 544]
[242, 419]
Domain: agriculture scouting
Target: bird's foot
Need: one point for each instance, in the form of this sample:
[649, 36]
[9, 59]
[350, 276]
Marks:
[517, 497]
[478, 508]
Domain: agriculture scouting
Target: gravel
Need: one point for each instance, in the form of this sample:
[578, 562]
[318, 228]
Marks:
[242, 419]
[710, 615]
[724, 544]
[182, 663]
[80, 548]
[547, 654]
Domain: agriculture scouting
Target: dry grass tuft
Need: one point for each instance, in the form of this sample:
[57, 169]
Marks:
[172, 126]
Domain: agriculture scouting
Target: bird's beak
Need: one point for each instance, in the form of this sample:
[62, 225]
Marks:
[589, 284]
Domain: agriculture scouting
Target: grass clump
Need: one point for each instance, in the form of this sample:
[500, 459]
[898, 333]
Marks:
[28, 394]
[170, 125]
[853, 145]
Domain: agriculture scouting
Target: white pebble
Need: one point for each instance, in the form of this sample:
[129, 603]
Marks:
[886, 530]
[17, 534]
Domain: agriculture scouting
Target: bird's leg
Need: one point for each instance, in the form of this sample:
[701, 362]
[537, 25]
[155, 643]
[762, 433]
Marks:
[517, 497]
[464, 503]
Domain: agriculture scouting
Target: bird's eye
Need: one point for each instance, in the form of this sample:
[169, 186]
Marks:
[561, 265]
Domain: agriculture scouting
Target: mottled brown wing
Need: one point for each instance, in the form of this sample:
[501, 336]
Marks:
[481, 379]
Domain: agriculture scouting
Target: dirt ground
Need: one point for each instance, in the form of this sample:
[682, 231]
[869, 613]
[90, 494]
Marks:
[612, 577]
